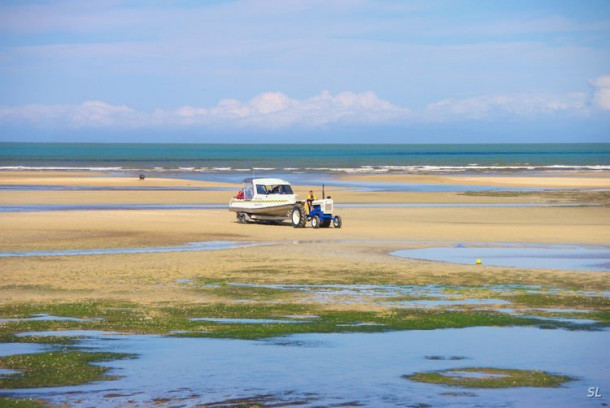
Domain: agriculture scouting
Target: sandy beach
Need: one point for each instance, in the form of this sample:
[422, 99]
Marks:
[246, 204]
[359, 249]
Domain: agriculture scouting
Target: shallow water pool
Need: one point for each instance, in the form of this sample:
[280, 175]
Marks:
[190, 247]
[222, 206]
[329, 369]
[48, 317]
[551, 256]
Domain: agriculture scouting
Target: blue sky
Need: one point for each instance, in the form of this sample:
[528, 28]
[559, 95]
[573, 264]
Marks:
[305, 70]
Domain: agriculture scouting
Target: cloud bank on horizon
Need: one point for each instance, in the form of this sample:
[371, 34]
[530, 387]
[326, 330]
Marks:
[279, 65]
[274, 110]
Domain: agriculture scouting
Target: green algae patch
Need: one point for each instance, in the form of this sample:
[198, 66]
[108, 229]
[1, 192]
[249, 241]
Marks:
[84, 310]
[245, 292]
[562, 300]
[182, 320]
[9, 337]
[23, 403]
[195, 320]
[483, 377]
[334, 321]
[55, 369]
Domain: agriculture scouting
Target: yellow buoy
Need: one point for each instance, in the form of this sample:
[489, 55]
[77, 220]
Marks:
[479, 262]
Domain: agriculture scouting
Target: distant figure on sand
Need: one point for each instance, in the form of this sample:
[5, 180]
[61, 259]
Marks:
[142, 176]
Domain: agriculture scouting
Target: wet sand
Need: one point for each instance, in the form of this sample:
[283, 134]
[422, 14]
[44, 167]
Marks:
[94, 188]
[355, 253]
[107, 229]
[341, 196]
[68, 178]
[589, 180]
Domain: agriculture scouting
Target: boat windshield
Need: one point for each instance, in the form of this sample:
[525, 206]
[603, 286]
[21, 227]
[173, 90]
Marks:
[273, 189]
[284, 189]
[248, 190]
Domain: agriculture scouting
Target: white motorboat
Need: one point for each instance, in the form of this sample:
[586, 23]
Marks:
[264, 199]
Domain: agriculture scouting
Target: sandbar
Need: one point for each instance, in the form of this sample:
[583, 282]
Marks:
[356, 253]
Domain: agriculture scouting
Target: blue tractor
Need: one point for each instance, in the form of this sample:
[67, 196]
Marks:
[320, 213]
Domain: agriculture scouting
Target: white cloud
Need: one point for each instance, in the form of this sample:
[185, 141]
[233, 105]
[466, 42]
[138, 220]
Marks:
[98, 113]
[267, 110]
[499, 106]
[275, 110]
[601, 95]
[87, 114]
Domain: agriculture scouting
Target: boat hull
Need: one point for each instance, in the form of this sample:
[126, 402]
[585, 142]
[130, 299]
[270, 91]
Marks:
[261, 208]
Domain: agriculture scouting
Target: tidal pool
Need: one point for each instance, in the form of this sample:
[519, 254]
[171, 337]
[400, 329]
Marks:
[107, 207]
[191, 246]
[47, 317]
[546, 256]
[223, 206]
[9, 349]
[464, 205]
[46, 187]
[404, 296]
[334, 369]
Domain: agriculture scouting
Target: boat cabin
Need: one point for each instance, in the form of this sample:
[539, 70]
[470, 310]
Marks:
[263, 187]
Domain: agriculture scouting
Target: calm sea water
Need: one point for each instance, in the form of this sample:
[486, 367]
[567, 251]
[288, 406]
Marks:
[283, 158]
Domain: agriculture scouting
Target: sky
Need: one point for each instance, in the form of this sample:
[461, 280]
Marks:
[295, 71]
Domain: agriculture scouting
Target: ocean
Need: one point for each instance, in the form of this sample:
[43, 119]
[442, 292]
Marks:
[237, 160]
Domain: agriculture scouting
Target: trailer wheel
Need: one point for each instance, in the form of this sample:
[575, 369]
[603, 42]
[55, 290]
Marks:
[240, 218]
[315, 222]
[337, 222]
[298, 217]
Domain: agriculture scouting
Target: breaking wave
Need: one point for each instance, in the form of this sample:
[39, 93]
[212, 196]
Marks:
[421, 169]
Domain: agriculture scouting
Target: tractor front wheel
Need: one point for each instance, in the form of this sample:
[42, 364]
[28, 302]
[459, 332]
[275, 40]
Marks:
[337, 221]
[298, 216]
[315, 222]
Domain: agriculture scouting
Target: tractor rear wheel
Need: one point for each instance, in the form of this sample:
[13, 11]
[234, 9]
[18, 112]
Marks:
[337, 221]
[315, 222]
[298, 217]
